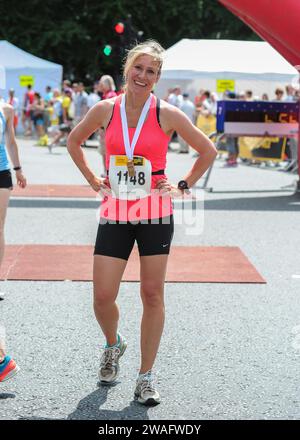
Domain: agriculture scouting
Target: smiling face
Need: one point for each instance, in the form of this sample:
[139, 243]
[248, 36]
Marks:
[143, 74]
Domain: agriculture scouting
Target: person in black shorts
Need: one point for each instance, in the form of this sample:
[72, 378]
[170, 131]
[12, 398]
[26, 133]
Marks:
[8, 367]
[137, 204]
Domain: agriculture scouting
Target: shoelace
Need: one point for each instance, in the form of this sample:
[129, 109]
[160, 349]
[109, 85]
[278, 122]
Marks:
[147, 383]
[109, 356]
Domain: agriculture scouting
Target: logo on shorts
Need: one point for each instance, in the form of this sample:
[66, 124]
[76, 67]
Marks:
[165, 245]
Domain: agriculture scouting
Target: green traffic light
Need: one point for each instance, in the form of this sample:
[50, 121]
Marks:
[107, 50]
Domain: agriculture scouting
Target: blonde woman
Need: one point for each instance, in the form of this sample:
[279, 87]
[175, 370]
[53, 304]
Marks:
[8, 367]
[136, 205]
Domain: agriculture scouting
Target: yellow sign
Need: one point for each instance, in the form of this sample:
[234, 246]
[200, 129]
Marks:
[122, 161]
[225, 84]
[26, 80]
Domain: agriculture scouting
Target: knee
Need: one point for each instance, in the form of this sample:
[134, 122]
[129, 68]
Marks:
[103, 298]
[152, 295]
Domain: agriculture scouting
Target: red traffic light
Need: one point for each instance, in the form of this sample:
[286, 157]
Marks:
[119, 28]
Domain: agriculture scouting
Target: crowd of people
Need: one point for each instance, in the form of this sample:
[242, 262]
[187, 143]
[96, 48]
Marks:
[202, 111]
[49, 116]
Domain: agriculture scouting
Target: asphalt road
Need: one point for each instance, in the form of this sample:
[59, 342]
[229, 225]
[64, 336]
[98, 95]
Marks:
[229, 351]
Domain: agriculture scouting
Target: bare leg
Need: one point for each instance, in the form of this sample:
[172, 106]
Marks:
[107, 277]
[153, 273]
[4, 199]
[40, 130]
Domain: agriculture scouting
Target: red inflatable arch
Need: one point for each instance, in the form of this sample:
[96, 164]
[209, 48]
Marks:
[277, 22]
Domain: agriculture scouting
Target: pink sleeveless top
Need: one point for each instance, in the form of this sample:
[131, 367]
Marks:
[153, 145]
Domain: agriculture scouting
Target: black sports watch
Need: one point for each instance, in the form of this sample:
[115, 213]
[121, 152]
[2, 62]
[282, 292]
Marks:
[182, 184]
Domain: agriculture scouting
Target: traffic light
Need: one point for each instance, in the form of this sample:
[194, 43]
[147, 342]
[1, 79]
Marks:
[107, 50]
[119, 28]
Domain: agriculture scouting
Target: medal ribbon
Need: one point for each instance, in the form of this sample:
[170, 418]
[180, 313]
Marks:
[130, 148]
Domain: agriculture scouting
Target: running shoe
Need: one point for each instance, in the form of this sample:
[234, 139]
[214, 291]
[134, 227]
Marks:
[231, 163]
[145, 392]
[109, 363]
[8, 369]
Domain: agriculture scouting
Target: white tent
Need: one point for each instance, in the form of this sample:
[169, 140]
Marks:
[17, 66]
[195, 64]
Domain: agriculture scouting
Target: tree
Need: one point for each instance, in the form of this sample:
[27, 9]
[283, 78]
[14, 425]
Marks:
[74, 33]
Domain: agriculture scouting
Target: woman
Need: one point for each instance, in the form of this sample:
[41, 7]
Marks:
[107, 89]
[37, 109]
[147, 219]
[8, 367]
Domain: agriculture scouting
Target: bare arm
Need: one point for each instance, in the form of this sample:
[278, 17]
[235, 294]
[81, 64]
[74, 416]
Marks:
[94, 119]
[12, 146]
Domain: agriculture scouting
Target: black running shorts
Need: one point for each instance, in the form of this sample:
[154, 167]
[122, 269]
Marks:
[117, 239]
[5, 179]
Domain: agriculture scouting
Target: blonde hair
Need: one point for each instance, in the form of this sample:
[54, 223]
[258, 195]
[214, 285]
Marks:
[148, 47]
[108, 81]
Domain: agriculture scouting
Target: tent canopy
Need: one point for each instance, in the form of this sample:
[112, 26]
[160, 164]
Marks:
[190, 59]
[16, 64]
[11, 57]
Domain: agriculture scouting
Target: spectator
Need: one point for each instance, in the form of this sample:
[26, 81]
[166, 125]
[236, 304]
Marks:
[188, 109]
[279, 94]
[80, 102]
[290, 93]
[242, 96]
[62, 130]
[231, 141]
[48, 95]
[249, 95]
[14, 102]
[37, 112]
[66, 85]
[265, 97]
[66, 104]
[175, 98]
[26, 116]
[107, 89]
[93, 97]
[199, 99]
[209, 105]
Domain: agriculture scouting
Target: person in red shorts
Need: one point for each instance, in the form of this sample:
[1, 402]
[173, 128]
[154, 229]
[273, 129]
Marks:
[137, 204]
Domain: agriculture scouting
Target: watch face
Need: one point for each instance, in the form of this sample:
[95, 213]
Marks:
[182, 184]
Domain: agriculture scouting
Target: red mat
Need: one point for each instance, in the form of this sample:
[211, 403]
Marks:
[55, 191]
[186, 264]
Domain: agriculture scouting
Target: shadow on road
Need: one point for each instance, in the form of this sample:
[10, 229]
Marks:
[7, 396]
[272, 203]
[89, 408]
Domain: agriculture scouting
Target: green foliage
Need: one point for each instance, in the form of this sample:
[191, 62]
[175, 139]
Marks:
[74, 32]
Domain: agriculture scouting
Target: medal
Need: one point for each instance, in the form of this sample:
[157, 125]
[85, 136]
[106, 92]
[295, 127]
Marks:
[129, 147]
[130, 167]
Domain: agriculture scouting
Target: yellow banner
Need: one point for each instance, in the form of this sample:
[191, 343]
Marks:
[207, 124]
[225, 84]
[26, 80]
[122, 160]
[262, 149]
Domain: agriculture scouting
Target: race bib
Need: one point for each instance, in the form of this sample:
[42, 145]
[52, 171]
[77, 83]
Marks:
[129, 188]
